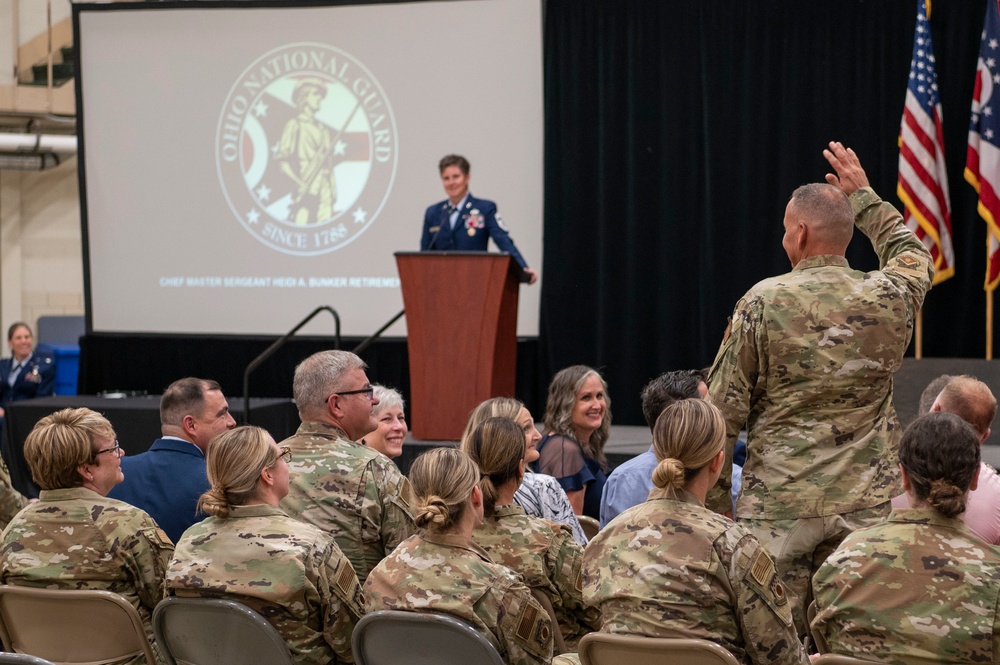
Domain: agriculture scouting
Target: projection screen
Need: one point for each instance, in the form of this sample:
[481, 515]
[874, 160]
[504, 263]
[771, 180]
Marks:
[202, 212]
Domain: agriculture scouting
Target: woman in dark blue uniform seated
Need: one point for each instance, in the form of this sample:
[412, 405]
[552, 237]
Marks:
[26, 374]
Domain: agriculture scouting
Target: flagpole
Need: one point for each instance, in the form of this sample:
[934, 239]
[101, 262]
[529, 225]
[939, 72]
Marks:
[989, 325]
[919, 350]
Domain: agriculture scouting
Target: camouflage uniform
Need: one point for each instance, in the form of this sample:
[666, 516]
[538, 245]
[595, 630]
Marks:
[77, 539]
[448, 573]
[918, 588]
[11, 501]
[673, 568]
[807, 367]
[354, 493]
[547, 558]
[288, 571]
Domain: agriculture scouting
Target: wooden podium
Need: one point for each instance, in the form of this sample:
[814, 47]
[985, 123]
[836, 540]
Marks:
[461, 321]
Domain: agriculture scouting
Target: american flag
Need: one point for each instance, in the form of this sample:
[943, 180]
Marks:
[923, 181]
[982, 164]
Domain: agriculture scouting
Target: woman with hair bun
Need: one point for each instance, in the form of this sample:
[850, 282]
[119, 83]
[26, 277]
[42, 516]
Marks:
[442, 570]
[919, 587]
[542, 552]
[670, 567]
[250, 551]
[540, 495]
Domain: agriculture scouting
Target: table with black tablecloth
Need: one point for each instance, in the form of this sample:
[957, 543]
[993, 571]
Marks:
[136, 421]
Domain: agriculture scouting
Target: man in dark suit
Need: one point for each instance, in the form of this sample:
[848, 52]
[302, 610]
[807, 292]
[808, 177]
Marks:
[464, 223]
[167, 480]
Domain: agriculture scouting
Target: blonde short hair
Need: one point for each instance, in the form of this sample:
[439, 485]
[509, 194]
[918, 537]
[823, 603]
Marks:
[61, 442]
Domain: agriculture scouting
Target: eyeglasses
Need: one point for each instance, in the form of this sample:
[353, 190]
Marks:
[368, 392]
[285, 454]
[113, 449]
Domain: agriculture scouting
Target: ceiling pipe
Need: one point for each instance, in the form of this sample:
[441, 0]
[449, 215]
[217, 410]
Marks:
[36, 143]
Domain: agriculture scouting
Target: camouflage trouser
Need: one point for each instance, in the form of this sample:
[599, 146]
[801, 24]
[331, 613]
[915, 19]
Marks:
[799, 546]
[566, 659]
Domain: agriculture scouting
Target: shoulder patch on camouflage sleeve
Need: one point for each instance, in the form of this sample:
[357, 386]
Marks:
[763, 580]
[346, 580]
[762, 568]
[532, 629]
[406, 494]
[909, 266]
[526, 622]
[162, 538]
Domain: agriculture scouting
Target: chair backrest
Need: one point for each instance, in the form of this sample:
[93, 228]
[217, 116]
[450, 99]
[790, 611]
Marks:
[216, 631]
[590, 526]
[558, 644]
[390, 637]
[612, 649]
[61, 329]
[22, 659]
[65, 626]
[837, 659]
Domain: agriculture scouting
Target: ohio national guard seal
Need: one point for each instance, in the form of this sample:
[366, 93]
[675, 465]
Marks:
[306, 148]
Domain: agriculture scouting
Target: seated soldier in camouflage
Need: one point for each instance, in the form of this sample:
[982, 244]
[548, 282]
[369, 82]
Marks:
[249, 550]
[350, 491]
[442, 570]
[542, 552]
[11, 501]
[74, 537]
[919, 587]
[670, 567]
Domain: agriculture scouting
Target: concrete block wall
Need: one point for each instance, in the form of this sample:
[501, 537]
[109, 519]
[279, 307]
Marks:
[41, 257]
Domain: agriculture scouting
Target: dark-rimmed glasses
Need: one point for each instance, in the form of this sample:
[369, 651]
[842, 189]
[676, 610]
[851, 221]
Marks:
[368, 392]
[284, 454]
[114, 449]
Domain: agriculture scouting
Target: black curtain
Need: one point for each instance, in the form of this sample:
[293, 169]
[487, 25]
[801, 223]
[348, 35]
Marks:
[675, 133]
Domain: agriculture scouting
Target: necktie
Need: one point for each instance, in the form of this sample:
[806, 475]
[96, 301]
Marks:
[13, 374]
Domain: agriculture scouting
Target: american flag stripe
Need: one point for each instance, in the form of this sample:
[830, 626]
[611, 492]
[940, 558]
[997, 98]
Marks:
[923, 180]
[930, 195]
[921, 126]
[925, 203]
